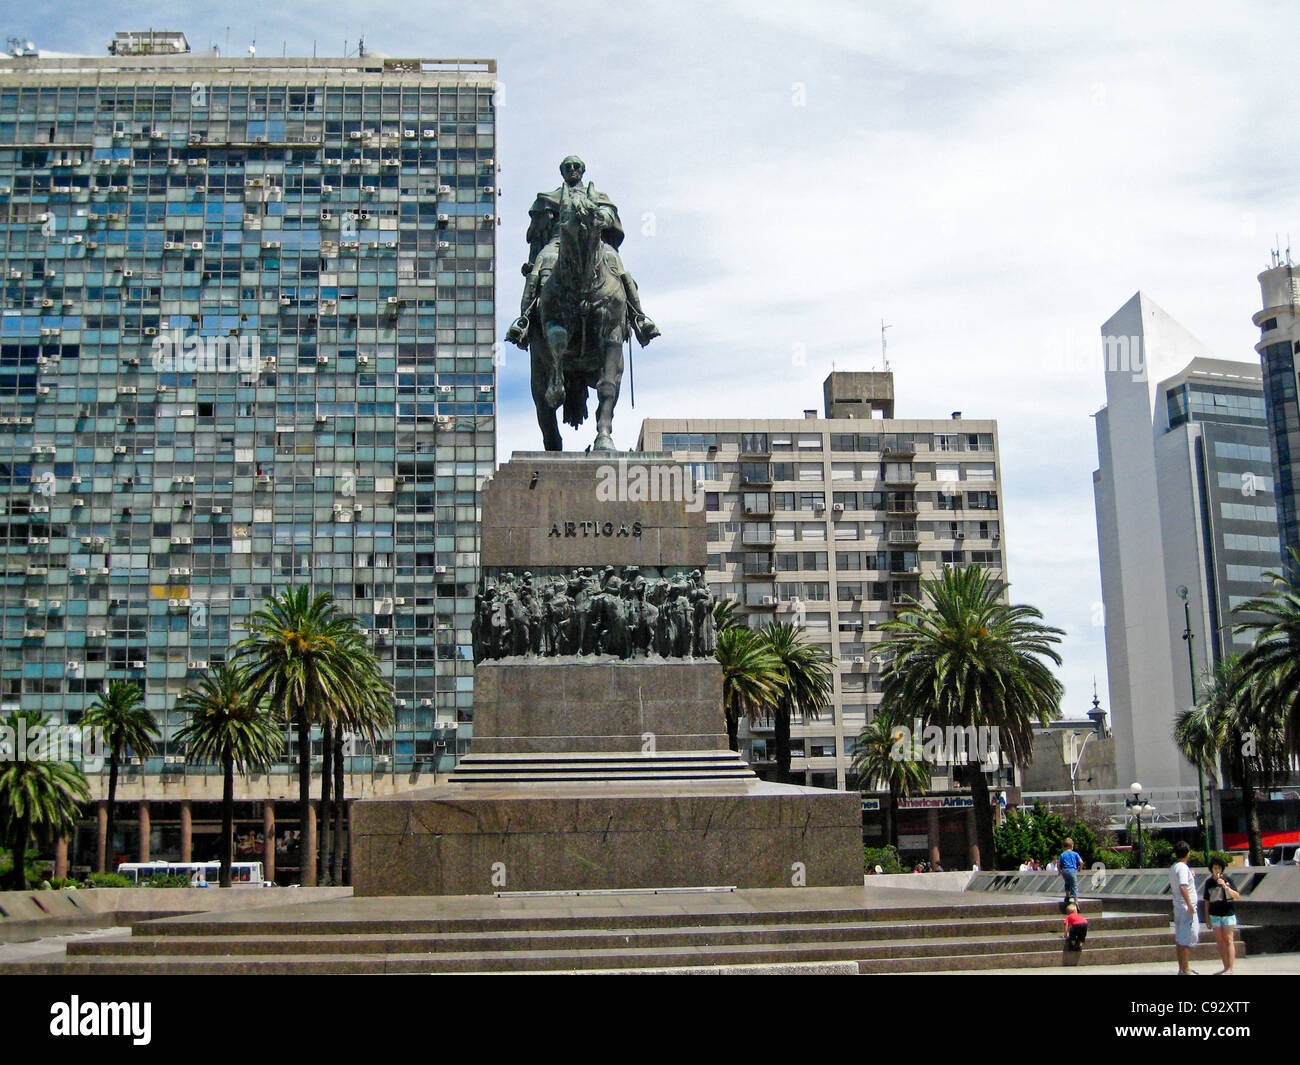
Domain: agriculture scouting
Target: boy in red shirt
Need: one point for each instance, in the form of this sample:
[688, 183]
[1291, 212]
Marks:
[1076, 928]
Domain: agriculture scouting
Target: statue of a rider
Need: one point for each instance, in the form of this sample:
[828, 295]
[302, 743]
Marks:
[543, 250]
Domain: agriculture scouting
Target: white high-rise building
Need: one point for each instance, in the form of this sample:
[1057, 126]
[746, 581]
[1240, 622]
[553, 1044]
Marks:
[1185, 501]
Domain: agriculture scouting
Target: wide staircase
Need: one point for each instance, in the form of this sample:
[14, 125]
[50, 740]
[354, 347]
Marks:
[838, 929]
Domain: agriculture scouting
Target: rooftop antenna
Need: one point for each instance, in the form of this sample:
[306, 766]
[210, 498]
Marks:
[884, 344]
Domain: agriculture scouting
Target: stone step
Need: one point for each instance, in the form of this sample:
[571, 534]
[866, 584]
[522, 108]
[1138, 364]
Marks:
[302, 923]
[567, 939]
[898, 956]
[1090, 955]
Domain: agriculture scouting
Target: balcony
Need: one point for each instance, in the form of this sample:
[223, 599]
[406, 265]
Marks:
[905, 505]
[905, 535]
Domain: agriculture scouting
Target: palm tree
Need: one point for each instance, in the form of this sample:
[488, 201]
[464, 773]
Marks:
[1272, 665]
[305, 660]
[1229, 721]
[227, 727]
[126, 725]
[887, 754]
[963, 657]
[366, 718]
[36, 796]
[809, 684]
[724, 614]
[751, 678]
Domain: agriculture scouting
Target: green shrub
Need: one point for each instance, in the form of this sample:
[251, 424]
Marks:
[1112, 859]
[109, 880]
[1158, 854]
[166, 880]
[886, 857]
[1199, 859]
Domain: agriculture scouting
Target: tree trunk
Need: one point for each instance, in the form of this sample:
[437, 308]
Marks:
[891, 818]
[18, 874]
[227, 817]
[112, 807]
[342, 837]
[342, 834]
[979, 793]
[733, 729]
[324, 873]
[781, 720]
[1250, 809]
[306, 836]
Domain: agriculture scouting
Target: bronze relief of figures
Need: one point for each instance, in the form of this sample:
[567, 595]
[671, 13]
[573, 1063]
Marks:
[586, 612]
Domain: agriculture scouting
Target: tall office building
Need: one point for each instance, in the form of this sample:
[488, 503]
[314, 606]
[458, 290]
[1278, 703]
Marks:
[833, 522]
[1279, 353]
[1185, 499]
[247, 341]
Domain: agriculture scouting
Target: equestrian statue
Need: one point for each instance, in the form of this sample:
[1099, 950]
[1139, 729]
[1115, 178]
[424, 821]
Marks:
[579, 306]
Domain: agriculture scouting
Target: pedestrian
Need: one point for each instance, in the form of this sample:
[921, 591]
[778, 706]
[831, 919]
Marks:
[1220, 899]
[1068, 864]
[1182, 883]
[1076, 928]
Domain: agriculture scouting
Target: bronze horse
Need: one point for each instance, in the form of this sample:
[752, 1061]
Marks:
[577, 334]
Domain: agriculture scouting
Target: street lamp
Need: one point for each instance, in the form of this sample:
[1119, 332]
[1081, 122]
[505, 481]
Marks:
[1139, 806]
[1191, 668]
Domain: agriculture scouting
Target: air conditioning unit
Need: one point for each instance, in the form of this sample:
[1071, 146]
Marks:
[180, 571]
[485, 389]
[819, 506]
[838, 508]
[128, 273]
[137, 663]
[97, 634]
[322, 360]
[270, 245]
[429, 134]
[182, 541]
[79, 571]
[393, 301]
[170, 245]
[859, 660]
[199, 663]
[321, 419]
[357, 508]
[119, 449]
[769, 600]
[286, 301]
[31, 604]
[38, 540]
[196, 245]
[439, 570]
[363, 360]
[959, 535]
[218, 510]
[997, 536]
[426, 702]
[445, 389]
[178, 602]
[325, 216]
[150, 331]
[383, 761]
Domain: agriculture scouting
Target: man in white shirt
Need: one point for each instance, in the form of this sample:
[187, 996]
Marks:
[1182, 883]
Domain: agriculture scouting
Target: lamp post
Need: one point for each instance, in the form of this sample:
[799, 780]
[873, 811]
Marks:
[1188, 636]
[1139, 806]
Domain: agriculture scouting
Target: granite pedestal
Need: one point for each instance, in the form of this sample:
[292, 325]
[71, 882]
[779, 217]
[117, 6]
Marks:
[594, 772]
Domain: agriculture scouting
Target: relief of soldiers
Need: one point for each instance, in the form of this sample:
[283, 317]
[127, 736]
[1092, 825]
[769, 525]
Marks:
[626, 615]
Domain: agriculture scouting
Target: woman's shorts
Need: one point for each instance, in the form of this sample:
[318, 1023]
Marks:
[1223, 922]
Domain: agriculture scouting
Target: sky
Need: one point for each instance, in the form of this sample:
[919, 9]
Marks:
[992, 180]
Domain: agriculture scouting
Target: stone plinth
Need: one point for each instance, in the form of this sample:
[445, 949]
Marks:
[472, 840]
[523, 706]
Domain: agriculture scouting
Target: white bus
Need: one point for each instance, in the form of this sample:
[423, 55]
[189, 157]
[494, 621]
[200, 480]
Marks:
[200, 874]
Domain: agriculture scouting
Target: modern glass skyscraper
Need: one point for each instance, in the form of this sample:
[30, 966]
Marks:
[1279, 352]
[247, 342]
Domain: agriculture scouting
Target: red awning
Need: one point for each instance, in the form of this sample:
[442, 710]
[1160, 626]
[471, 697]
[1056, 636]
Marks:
[1236, 841]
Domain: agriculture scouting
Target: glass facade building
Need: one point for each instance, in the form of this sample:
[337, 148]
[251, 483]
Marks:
[247, 342]
[1279, 352]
